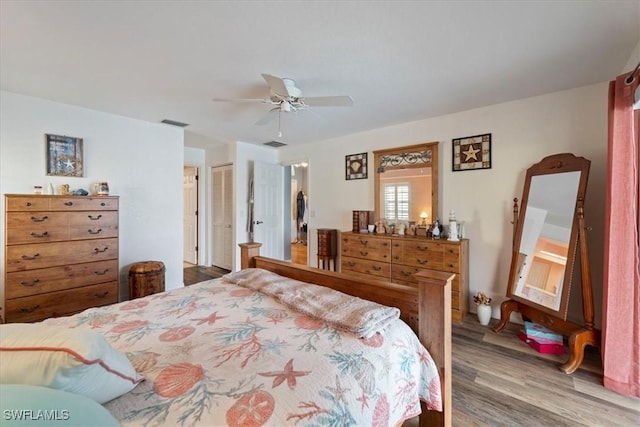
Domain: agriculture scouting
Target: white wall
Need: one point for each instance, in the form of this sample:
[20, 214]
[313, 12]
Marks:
[141, 161]
[523, 132]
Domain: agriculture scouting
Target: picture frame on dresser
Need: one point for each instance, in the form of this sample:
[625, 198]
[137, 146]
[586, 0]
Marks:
[64, 155]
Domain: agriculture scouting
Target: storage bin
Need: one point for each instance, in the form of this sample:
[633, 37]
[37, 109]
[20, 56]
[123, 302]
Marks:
[146, 278]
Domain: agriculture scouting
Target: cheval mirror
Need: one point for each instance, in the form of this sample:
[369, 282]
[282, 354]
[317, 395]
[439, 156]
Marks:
[406, 183]
[549, 233]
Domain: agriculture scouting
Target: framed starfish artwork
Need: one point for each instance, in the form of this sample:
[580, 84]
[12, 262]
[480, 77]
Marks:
[471, 153]
[356, 166]
[64, 156]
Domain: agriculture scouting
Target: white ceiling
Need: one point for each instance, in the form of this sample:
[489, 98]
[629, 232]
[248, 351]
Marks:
[400, 61]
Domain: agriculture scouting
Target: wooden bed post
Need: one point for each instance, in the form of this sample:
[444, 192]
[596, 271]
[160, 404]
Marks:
[434, 331]
[248, 251]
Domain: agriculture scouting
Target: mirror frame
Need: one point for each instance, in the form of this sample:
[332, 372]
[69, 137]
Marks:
[407, 157]
[554, 164]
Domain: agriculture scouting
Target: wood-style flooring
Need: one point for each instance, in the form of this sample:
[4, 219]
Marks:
[500, 381]
[196, 274]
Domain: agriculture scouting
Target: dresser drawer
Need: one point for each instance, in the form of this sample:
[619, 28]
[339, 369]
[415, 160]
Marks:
[93, 224]
[27, 203]
[31, 282]
[417, 253]
[36, 227]
[62, 203]
[367, 247]
[373, 268]
[61, 303]
[404, 274]
[42, 255]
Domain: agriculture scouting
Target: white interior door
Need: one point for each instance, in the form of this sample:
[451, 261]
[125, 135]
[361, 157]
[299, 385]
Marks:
[268, 208]
[223, 217]
[190, 214]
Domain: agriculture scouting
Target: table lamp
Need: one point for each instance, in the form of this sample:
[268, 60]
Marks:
[424, 216]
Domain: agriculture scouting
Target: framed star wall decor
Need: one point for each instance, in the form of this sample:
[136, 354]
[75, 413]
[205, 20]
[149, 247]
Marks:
[356, 166]
[472, 152]
[64, 156]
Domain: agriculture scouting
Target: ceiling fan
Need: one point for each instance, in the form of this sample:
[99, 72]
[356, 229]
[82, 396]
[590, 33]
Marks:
[286, 97]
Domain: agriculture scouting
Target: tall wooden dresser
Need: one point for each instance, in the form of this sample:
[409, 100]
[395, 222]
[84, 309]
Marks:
[61, 255]
[398, 258]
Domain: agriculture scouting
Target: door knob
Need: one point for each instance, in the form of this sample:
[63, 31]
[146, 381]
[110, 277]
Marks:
[258, 222]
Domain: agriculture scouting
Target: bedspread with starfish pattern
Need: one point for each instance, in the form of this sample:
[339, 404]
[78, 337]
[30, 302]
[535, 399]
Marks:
[215, 354]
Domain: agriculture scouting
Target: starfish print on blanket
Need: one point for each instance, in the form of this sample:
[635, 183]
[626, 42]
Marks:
[287, 374]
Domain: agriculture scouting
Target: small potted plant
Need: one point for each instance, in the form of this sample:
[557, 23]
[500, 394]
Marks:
[483, 308]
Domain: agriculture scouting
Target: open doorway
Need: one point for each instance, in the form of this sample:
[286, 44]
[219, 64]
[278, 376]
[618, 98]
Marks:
[190, 215]
[299, 213]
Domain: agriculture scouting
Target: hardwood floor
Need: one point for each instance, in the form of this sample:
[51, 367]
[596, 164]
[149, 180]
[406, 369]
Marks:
[196, 274]
[500, 381]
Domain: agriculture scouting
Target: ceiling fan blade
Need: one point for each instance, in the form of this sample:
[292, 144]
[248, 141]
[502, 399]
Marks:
[240, 100]
[329, 101]
[271, 115]
[276, 84]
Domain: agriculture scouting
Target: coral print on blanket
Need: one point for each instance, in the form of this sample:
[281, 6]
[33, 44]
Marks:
[219, 354]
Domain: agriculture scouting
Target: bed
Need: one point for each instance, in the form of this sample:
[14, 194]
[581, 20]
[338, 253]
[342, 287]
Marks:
[222, 352]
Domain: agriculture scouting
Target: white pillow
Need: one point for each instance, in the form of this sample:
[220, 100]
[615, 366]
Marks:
[74, 360]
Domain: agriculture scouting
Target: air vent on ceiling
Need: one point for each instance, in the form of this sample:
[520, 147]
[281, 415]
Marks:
[174, 123]
[275, 144]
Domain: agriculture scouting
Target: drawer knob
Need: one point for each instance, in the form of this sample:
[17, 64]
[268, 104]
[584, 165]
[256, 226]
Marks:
[97, 251]
[40, 235]
[351, 264]
[29, 309]
[103, 204]
[101, 295]
[406, 273]
[376, 268]
[364, 253]
[98, 231]
[451, 265]
[94, 218]
[44, 218]
[364, 242]
[423, 248]
[422, 261]
[68, 203]
[30, 258]
[29, 284]
[28, 204]
[101, 273]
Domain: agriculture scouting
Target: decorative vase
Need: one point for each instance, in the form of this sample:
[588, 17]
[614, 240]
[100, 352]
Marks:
[484, 314]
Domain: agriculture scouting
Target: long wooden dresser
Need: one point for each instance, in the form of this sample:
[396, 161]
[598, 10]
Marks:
[398, 258]
[61, 255]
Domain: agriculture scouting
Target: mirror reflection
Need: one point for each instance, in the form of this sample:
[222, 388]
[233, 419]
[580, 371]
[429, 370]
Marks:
[405, 195]
[546, 234]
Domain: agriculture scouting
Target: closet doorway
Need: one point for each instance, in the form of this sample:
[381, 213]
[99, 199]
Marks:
[299, 213]
[190, 214]
[222, 185]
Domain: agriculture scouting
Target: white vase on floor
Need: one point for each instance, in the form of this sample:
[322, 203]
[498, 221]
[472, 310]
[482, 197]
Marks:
[484, 314]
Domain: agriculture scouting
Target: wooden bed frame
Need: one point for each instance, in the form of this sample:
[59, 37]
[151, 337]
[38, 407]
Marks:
[427, 310]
